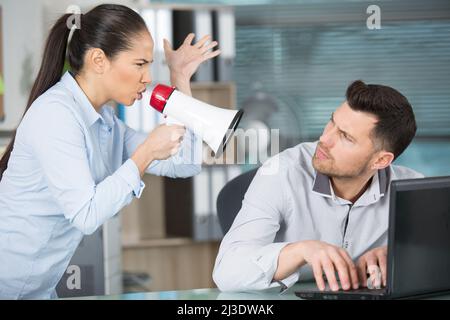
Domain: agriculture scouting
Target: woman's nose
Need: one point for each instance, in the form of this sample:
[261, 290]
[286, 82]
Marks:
[147, 78]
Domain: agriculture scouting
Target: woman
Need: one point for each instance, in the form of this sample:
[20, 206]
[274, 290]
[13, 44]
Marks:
[73, 164]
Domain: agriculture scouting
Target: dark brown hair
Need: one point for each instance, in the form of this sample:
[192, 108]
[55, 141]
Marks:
[107, 26]
[396, 125]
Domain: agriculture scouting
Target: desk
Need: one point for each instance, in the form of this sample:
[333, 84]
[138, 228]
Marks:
[215, 294]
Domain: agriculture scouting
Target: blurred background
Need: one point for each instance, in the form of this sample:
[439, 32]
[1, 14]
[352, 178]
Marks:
[286, 63]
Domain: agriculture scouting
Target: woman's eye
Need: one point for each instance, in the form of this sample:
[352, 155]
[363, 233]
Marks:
[140, 64]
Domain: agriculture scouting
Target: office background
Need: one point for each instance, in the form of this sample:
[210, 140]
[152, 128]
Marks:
[290, 63]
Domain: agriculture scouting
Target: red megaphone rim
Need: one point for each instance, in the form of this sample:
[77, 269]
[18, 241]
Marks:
[160, 95]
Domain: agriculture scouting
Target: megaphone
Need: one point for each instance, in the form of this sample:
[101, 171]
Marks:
[215, 125]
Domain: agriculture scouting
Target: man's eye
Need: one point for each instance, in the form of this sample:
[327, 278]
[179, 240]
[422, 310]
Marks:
[346, 137]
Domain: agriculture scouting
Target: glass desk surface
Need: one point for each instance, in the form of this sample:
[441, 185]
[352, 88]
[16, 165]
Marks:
[215, 294]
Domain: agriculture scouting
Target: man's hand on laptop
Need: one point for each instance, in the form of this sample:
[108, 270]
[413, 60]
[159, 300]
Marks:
[371, 263]
[327, 258]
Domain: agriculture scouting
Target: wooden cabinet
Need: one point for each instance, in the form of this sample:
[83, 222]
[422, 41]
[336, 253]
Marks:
[172, 263]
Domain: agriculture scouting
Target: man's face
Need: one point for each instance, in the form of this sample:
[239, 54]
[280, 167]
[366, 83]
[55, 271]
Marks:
[345, 148]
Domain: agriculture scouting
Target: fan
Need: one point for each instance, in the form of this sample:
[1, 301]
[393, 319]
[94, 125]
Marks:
[263, 113]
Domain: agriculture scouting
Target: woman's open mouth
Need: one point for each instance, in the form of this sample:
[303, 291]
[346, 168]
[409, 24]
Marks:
[140, 93]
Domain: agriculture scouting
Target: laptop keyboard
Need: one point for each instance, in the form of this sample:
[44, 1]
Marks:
[361, 291]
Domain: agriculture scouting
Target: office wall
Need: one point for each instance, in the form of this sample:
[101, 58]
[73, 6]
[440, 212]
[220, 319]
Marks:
[309, 53]
[22, 43]
[25, 26]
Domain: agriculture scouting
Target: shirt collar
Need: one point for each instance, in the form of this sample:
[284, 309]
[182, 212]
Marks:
[87, 111]
[376, 190]
[322, 184]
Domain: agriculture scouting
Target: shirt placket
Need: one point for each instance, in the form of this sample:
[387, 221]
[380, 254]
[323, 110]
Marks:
[104, 138]
[345, 236]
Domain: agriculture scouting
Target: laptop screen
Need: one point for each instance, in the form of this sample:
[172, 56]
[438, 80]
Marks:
[419, 236]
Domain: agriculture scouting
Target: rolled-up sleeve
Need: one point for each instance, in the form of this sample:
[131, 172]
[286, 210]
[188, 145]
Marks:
[59, 146]
[186, 163]
[248, 255]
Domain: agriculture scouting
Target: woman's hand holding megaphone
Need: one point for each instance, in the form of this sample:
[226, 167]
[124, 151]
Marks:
[164, 141]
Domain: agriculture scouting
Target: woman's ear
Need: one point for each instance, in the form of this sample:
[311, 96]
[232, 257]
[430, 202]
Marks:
[97, 60]
[383, 159]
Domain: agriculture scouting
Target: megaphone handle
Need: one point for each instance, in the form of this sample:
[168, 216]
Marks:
[169, 120]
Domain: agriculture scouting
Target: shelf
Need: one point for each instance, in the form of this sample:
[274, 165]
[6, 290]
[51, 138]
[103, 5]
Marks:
[208, 85]
[219, 94]
[162, 242]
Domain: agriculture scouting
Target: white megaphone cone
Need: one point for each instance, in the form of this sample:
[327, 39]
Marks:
[215, 125]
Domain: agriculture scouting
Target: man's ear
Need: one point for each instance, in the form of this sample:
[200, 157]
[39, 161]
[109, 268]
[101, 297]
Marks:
[97, 60]
[382, 160]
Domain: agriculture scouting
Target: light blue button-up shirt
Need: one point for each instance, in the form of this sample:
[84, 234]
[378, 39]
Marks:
[70, 170]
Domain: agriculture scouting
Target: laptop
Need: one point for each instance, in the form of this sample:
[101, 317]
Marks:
[418, 262]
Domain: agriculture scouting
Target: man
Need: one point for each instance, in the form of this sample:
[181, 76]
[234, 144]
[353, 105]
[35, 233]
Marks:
[327, 206]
